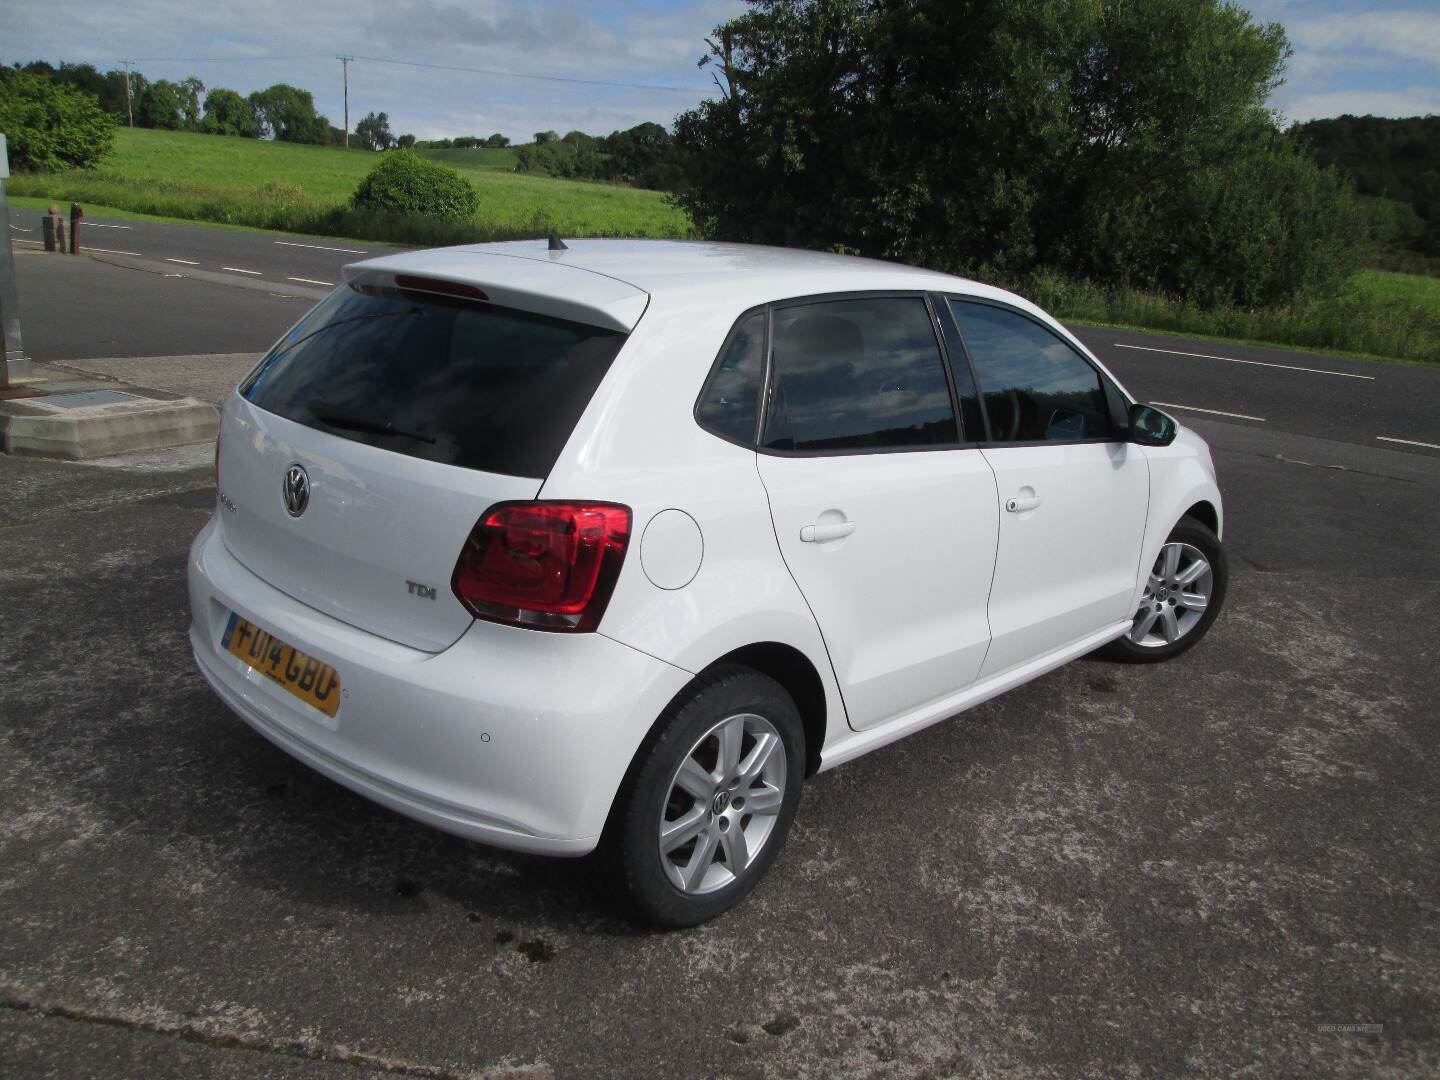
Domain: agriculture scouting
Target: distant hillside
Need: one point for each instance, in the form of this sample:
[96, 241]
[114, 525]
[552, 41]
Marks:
[291, 186]
[1390, 159]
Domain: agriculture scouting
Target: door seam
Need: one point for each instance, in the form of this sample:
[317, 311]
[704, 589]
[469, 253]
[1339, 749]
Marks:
[780, 550]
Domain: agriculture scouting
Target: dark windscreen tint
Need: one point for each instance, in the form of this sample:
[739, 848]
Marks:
[732, 399]
[454, 381]
[858, 374]
[1036, 387]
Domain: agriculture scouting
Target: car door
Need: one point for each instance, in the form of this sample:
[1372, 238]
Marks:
[1074, 494]
[886, 519]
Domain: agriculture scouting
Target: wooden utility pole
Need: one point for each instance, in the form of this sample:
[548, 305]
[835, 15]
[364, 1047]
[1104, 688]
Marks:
[345, 70]
[129, 110]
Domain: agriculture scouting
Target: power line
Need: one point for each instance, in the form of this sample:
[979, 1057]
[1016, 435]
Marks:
[541, 78]
[417, 64]
[219, 59]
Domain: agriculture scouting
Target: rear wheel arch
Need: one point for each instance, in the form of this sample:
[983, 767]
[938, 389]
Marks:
[785, 664]
[793, 670]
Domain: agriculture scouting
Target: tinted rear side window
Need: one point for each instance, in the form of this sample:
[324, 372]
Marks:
[731, 400]
[858, 374]
[454, 381]
[1035, 386]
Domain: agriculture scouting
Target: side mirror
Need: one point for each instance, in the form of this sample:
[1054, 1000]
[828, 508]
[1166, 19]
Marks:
[1151, 427]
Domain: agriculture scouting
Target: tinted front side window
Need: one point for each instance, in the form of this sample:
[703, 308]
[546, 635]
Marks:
[454, 381]
[856, 374]
[732, 397]
[1035, 386]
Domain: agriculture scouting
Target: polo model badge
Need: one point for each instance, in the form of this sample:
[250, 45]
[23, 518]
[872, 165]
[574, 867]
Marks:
[297, 490]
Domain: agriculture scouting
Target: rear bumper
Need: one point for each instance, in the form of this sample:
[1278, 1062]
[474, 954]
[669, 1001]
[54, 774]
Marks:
[512, 737]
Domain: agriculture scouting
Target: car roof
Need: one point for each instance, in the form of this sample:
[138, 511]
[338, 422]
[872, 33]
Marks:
[743, 275]
[661, 266]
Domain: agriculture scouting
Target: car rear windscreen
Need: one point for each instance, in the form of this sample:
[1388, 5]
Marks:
[451, 380]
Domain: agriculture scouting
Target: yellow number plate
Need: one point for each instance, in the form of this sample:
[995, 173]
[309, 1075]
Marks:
[308, 679]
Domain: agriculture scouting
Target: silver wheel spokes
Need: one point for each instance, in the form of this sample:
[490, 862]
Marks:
[723, 803]
[1175, 597]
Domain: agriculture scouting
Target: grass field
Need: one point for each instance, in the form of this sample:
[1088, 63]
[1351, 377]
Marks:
[479, 157]
[306, 189]
[1380, 314]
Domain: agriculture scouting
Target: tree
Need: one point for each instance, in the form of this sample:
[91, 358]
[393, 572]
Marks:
[1392, 159]
[645, 155]
[190, 90]
[288, 114]
[374, 131]
[162, 106]
[48, 126]
[227, 113]
[1119, 142]
[497, 141]
[543, 137]
[406, 142]
[108, 88]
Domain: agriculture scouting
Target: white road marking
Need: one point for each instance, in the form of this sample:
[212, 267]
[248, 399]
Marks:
[1212, 412]
[1252, 363]
[110, 251]
[320, 247]
[102, 225]
[310, 281]
[38, 243]
[1408, 442]
[237, 270]
[186, 262]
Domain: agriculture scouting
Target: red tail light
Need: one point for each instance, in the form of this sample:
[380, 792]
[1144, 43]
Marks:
[543, 565]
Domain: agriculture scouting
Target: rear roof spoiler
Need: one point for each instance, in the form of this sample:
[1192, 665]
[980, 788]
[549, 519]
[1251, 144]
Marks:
[544, 288]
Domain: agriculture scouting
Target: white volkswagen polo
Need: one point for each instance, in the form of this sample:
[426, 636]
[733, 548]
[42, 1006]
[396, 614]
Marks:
[607, 547]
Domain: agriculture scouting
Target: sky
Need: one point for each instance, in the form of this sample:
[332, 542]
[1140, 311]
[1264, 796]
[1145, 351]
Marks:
[1348, 56]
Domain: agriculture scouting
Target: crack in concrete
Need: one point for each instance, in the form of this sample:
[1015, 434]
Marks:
[338, 1055]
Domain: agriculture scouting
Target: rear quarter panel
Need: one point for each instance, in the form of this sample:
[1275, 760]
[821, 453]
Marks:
[639, 444]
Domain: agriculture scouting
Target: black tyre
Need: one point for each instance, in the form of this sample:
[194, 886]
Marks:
[1183, 595]
[708, 801]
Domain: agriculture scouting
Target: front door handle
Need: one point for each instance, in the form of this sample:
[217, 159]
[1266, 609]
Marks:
[818, 534]
[1020, 504]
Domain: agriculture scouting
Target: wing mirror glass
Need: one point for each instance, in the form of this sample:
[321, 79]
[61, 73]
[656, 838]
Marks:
[1151, 427]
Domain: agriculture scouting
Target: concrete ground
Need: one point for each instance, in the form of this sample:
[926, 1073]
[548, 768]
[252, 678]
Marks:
[1222, 865]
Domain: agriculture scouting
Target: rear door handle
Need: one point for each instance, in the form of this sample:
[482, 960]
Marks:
[1020, 505]
[818, 534]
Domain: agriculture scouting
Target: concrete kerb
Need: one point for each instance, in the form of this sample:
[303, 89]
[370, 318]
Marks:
[76, 419]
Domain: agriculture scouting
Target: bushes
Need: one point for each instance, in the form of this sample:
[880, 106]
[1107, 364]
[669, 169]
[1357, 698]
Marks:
[405, 183]
[49, 126]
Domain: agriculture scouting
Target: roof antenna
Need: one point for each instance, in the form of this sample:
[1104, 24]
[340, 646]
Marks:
[556, 244]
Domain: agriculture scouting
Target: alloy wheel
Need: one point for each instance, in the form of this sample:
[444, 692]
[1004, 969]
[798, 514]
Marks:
[722, 804]
[1175, 597]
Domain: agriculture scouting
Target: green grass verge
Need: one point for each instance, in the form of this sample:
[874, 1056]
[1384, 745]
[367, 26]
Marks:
[307, 189]
[1379, 314]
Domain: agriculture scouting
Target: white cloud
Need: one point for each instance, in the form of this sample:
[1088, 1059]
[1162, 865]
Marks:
[620, 41]
[1411, 35]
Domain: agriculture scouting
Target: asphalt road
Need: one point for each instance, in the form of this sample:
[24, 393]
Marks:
[1331, 397]
[1201, 867]
[277, 259]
